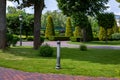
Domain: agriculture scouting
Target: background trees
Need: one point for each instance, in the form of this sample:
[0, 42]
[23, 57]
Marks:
[78, 9]
[38, 7]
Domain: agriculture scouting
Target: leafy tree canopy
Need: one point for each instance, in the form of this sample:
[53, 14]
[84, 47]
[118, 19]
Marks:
[118, 1]
[90, 7]
[106, 20]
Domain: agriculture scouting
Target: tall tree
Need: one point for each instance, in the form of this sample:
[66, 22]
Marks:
[106, 20]
[38, 7]
[2, 24]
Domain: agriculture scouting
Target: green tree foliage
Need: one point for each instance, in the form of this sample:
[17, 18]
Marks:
[101, 34]
[58, 18]
[94, 25]
[110, 31]
[78, 10]
[106, 20]
[90, 7]
[68, 31]
[49, 27]
[77, 32]
[11, 10]
[115, 28]
[13, 22]
[89, 33]
[118, 1]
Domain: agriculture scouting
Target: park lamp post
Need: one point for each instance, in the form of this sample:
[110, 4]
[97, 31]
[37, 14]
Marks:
[20, 19]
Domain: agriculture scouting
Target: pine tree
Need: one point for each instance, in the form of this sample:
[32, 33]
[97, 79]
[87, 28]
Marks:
[101, 34]
[68, 31]
[77, 32]
[49, 27]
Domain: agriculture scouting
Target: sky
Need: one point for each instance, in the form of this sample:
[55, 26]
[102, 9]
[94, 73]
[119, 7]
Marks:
[52, 5]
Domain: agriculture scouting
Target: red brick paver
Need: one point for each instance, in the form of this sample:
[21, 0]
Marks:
[10, 74]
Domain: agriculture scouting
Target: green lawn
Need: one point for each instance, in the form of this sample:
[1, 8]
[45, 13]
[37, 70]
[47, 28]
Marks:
[94, 62]
[97, 43]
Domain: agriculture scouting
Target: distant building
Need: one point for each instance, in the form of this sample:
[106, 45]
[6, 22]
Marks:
[117, 17]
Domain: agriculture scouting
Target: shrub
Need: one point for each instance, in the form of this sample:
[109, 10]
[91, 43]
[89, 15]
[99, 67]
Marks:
[15, 40]
[46, 51]
[30, 38]
[83, 47]
[9, 38]
[60, 38]
[75, 39]
[116, 36]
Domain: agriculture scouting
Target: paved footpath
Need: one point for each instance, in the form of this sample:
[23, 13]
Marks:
[10, 74]
[65, 44]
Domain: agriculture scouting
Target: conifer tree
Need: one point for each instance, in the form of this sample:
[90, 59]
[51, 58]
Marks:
[77, 32]
[68, 31]
[49, 27]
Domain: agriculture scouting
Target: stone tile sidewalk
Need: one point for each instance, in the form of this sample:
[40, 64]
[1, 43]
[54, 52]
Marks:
[11, 74]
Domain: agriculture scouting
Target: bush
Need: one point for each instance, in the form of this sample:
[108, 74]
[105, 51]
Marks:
[60, 38]
[46, 51]
[11, 39]
[75, 39]
[83, 47]
[30, 38]
[15, 40]
[116, 36]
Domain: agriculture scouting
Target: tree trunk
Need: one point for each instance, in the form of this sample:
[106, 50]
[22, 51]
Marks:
[106, 37]
[38, 7]
[2, 24]
[84, 34]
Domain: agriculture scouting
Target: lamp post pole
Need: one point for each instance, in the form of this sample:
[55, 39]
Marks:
[58, 56]
[20, 18]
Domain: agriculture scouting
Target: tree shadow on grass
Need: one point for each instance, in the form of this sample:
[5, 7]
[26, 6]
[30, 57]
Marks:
[102, 56]
[25, 52]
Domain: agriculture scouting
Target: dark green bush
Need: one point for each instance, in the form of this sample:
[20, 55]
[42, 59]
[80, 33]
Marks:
[9, 38]
[116, 36]
[46, 51]
[83, 47]
[15, 40]
[75, 39]
[60, 38]
[30, 38]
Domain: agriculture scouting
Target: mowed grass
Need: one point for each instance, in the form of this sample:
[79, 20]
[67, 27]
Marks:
[94, 62]
[97, 43]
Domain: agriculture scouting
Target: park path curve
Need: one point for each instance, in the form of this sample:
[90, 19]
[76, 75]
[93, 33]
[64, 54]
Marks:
[65, 44]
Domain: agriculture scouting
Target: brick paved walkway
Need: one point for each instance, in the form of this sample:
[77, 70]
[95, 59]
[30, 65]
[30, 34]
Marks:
[10, 74]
